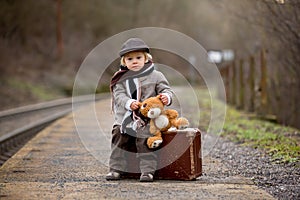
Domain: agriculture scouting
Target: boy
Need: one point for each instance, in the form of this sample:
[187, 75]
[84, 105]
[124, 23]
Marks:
[136, 81]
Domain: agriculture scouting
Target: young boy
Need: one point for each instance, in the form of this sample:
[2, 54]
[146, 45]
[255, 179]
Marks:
[136, 81]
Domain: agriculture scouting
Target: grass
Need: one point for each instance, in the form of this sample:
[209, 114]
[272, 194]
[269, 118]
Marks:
[38, 91]
[246, 129]
[242, 128]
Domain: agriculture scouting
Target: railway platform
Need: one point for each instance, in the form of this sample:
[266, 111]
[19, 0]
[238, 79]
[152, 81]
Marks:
[68, 160]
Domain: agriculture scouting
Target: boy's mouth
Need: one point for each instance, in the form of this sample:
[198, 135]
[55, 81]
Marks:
[136, 67]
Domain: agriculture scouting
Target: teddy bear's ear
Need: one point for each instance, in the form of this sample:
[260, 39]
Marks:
[158, 96]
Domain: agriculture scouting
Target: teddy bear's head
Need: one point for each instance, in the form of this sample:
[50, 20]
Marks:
[151, 107]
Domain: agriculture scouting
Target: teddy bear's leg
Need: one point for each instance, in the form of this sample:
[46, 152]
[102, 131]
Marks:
[154, 141]
[180, 123]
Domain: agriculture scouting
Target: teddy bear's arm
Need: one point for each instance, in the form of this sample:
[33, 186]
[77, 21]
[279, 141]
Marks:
[179, 123]
[172, 114]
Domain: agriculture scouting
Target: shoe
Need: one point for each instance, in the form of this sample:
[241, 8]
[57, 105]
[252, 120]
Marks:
[113, 176]
[146, 177]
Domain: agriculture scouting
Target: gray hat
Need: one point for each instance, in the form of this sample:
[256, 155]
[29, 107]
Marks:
[133, 44]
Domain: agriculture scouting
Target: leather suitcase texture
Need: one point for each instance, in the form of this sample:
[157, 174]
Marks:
[179, 157]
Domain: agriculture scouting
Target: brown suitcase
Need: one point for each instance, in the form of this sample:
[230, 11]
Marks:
[179, 157]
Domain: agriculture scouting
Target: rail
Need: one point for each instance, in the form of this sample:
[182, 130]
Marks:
[19, 125]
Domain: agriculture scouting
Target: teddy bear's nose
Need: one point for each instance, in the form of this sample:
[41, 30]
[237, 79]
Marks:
[152, 112]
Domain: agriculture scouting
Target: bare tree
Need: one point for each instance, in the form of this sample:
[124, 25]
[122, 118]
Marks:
[59, 39]
[276, 26]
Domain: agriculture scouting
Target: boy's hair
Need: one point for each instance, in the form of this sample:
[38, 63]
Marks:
[148, 57]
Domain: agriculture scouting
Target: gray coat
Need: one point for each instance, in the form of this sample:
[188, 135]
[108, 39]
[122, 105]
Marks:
[151, 85]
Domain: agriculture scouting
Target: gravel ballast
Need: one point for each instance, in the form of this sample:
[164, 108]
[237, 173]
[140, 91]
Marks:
[281, 180]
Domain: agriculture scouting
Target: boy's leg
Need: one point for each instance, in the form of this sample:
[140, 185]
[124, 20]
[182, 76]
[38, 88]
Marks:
[147, 157]
[120, 144]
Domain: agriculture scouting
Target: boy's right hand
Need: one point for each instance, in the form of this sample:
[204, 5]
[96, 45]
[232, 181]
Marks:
[134, 105]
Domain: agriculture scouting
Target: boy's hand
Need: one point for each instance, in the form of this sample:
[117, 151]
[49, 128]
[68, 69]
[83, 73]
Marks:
[134, 105]
[164, 99]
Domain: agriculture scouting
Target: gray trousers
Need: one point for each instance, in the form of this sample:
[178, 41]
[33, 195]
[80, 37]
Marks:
[133, 142]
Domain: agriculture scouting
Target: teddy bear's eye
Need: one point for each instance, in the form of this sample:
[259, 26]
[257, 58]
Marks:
[144, 105]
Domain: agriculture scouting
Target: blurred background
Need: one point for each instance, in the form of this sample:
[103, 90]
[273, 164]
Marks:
[43, 44]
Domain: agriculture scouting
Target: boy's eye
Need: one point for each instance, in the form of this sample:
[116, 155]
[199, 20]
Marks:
[129, 58]
[139, 57]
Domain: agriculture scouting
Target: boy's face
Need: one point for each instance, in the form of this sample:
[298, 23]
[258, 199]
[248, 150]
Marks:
[135, 60]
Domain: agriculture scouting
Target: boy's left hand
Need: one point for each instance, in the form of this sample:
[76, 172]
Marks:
[164, 99]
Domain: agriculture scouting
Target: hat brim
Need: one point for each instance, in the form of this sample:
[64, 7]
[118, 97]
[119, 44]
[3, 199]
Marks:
[125, 51]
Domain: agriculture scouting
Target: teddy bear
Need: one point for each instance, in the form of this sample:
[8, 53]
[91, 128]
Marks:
[160, 119]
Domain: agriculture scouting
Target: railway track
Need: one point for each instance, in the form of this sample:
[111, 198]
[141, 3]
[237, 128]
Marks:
[19, 125]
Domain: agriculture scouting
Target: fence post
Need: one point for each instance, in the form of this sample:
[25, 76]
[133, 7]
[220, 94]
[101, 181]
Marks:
[233, 84]
[251, 83]
[263, 83]
[227, 86]
[241, 85]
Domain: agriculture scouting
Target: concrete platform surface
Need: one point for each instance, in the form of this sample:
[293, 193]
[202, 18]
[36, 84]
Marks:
[68, 160]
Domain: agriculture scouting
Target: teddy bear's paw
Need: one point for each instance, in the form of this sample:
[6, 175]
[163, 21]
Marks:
[156, 144]
[172, 128]
[183, 123]
[182, 127]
